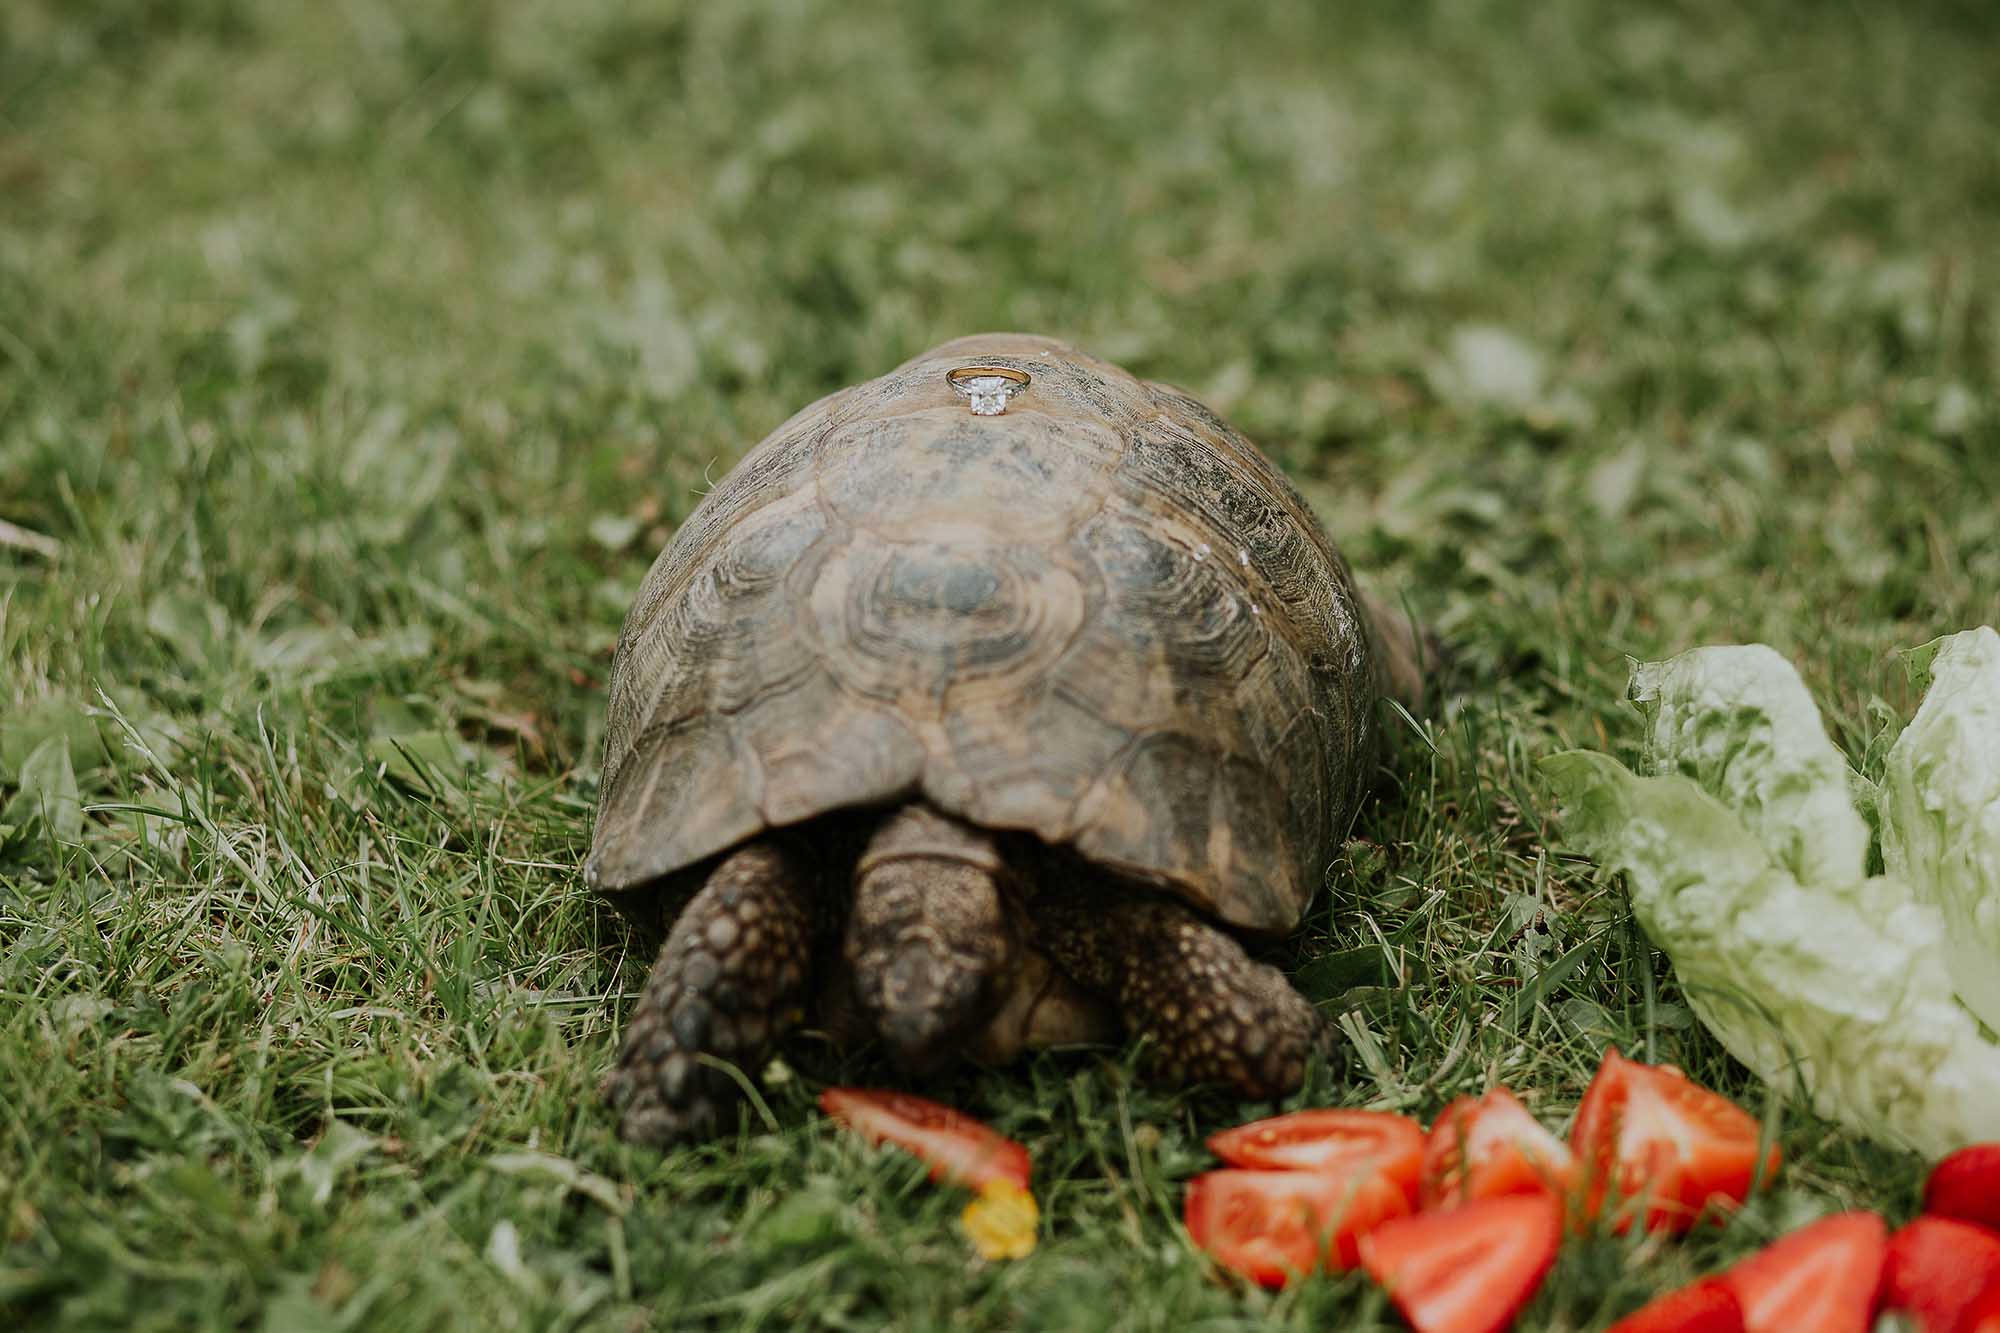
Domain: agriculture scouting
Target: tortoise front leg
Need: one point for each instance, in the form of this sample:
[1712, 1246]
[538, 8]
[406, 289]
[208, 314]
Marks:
[1211, 1013]
[730, 980]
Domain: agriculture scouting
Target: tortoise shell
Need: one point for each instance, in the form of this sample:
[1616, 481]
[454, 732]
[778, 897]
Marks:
[1101, 617]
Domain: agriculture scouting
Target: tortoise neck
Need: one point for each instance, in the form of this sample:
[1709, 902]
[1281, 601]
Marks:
[916, 831]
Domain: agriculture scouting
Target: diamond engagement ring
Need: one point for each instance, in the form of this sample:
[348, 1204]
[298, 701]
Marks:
[986, 389]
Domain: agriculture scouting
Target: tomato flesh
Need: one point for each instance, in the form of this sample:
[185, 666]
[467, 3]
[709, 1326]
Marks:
[956, 1146]
[1939, 1269]
[1984, 1316]
[1707, 1306]
[1966, 1185]
[1327, 1140]
[1822, 1278]
[1274, 1226]
[1661, 1148]
[1486, 1147]
[1468, 1269]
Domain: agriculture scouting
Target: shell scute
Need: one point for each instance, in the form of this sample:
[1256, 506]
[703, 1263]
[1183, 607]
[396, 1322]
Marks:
[1101, 617]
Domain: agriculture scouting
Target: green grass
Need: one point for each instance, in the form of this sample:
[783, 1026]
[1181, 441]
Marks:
[360, 355]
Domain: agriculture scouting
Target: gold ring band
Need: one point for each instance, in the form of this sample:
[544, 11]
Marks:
[952, 377]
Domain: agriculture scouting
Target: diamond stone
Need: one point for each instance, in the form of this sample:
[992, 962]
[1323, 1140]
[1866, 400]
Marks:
[988, 393]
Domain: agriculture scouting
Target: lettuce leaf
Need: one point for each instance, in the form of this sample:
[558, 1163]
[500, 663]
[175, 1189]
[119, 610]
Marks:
[1940, 810]
[1739, 722]
[1746, 862]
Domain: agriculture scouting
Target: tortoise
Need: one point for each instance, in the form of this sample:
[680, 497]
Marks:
[979, 730]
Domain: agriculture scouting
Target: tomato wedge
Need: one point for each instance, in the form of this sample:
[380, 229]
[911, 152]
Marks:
[1327, 1140]
[1468, 1269]
[957, 1147]
[1984, 1316]
[1668, 1144]
[1273, 1226]
[1484, 1147]
[1821, 1278]
[1966, 1185]
[1939, 1269]
[1707, 1306]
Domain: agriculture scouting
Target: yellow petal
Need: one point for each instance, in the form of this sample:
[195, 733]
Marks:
[1001, 1221]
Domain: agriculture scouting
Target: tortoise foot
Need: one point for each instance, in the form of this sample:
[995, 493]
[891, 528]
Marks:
[1210, 1013]
[730, 980]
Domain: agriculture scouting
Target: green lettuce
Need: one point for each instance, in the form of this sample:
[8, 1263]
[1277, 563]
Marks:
[1940, 810]
[1747, 860]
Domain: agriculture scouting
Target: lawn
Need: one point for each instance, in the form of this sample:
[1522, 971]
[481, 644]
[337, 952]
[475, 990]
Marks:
[356, 358]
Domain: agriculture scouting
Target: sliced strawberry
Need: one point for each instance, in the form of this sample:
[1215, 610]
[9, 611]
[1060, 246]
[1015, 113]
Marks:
[1966, 1185]
[1821, 1278]
[957, 1147]
[1273, 1226]
[1938, 1270]
[1648, 1134]
[1327, 1140]
[1484, 1147]
[1707, 1306]
[1467, 1269]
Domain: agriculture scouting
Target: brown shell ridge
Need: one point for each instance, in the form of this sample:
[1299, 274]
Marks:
[699, 562]
[671, 607]
[1247, 902]
[1252, 460]
[1102, 618]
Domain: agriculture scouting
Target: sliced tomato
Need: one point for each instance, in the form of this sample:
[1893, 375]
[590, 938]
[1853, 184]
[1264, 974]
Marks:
[1939, 1269]
[957, 1147]
[1707, 1306]
[1821, 1278]
[1966, 1185]
[1327, 1140]
[1484, 1147]
[1468, 1269]
[1984, 1316]
[1273, 1226]
[1649, 1135]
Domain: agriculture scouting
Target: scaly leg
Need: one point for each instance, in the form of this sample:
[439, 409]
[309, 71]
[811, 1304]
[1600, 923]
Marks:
[730, 980]
[1212, 1014]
